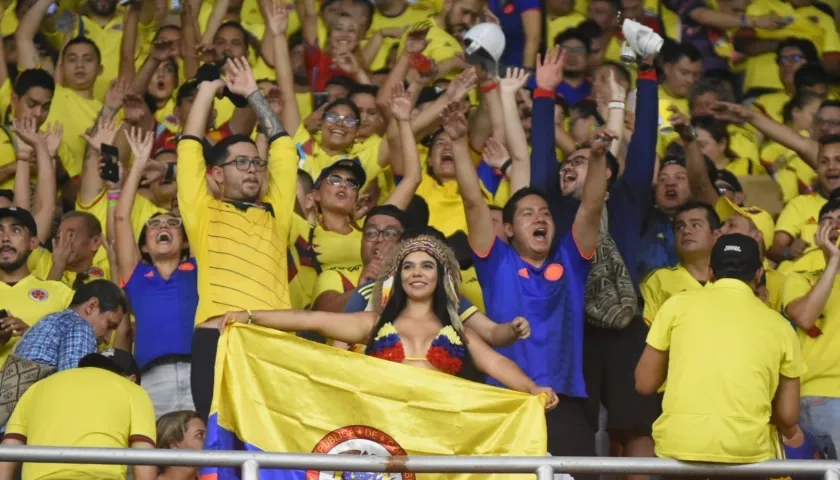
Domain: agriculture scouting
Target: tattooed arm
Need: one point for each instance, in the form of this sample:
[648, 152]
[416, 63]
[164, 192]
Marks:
[270, 124]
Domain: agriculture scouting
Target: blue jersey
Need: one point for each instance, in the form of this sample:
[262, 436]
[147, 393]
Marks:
[550, 297]
[510, 16]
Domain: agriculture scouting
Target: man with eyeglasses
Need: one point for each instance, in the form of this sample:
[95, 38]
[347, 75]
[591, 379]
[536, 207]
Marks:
[239, 239]
[575, 85]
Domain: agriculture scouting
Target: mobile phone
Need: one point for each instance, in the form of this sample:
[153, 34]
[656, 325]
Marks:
[110, 169]
[319, 100]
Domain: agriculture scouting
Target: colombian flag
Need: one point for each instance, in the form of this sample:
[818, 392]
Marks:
[276, 392]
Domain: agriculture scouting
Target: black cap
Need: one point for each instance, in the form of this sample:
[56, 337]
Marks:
[23, 216]
[388, 210]
[352, 164]
[730, 179]
[735, 255]
[114, 360]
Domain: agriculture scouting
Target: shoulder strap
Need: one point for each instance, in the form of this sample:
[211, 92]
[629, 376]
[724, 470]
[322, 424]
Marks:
[315, 263]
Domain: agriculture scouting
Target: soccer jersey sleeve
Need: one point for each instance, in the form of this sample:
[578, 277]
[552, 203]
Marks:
[282, 173]
[796, 286]
[143, 427]
[790, 220]
[466, 309]
[487, 264]
[191, 175]
[659, 336]
[16, 427]
[792, 364]
[652, 294]
[328, 281]
[357, 303]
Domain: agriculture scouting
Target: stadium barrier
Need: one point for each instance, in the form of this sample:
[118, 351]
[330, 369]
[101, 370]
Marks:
[543, 467]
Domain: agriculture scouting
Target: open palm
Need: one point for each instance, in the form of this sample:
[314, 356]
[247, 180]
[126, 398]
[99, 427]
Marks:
[514, 80]
[549, 72]
[239, 78]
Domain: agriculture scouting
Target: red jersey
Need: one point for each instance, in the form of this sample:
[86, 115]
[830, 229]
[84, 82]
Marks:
[320, 67]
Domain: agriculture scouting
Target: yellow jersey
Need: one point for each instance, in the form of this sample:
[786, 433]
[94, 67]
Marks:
[663, 283]
[240, 248]
[41, 262]
[701, 420]
[800, 217]
[665, 102]
[819, 345]
[313, 158]
[8, 155]
[76, 114]
[413, 14]
[338, 280]
[30, 300]
[772, 104]
[471, 289]
[558, 25]
[446, 207]
[813, 260]
[442, 46]
[98, 409]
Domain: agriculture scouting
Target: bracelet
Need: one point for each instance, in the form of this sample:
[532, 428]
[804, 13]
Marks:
[490, 87]
[505, 166]
[250, 318]
[113, 195]
[787, 253]
[112, 203]
[615, 105]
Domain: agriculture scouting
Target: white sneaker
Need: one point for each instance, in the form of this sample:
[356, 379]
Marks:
[642, 39]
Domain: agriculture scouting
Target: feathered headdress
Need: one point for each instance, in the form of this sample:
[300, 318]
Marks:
[440, 252]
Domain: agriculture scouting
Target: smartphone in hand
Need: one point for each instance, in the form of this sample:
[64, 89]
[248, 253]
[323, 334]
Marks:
[110, 168]
[319, 99]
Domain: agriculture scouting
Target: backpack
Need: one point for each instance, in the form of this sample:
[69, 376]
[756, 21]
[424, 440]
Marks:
[610, 300]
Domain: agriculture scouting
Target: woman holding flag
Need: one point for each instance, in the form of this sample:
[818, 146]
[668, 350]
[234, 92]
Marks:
[416, 323]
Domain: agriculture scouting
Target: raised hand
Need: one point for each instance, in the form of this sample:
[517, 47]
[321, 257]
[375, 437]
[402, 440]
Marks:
[106, 132]
[416, 40]
[347, 61]
[140, 143]
[119, 88]
[454, 122]
[239, 78]
[462, 85]
[206, 52]
[681, 123]
[514, 80]
[163, 50]
[155, 171]
[602, 141]
[732, 112]
[27, 131]
[63, 246]
[823, 239]
[549, 71]
[495, 154]
[277, 17]
[53, 136]
[134, 109]
[400, 103]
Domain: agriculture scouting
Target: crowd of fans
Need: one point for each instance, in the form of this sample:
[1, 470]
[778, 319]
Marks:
[169, 167]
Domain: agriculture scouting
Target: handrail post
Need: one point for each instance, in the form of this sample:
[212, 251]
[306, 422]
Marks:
[545, 472]
[251, 470]
[832, 475]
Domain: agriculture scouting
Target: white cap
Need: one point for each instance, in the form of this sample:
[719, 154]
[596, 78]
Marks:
[489, 38]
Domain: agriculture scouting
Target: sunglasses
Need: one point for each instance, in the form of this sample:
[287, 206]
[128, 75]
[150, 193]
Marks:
[336, 180]
[345, 120]
[243, 164]
[173, 222]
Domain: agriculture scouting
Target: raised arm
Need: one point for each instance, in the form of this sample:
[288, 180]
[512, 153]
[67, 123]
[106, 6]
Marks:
[486, 121]
[519, 171]
[545, 169]
[411, 174]
[128, 253]
[277, 20]
[479, 221]
[695, 164]
[128, 44]
[640, 160]
[587, 226]
[806, 148]
[351, 328]
[105, 131]
[44, 146]
[308, 21]
[615, 116]
[806, 310]
[27, 53]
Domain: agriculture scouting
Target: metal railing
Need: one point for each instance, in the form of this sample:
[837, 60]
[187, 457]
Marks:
[543, 467]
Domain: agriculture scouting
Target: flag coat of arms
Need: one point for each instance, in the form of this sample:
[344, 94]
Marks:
[275, 392]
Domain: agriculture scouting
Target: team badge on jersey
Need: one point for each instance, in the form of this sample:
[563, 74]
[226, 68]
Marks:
[96, 272]
[38, 294]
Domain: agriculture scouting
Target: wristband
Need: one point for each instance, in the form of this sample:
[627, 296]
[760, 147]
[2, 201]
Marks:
[787, 253]
[543, 93]
[113, 195]
[506, 165]
[490, 87]
[112, 203]
[615, 105]
[420, 63]
[250, 318]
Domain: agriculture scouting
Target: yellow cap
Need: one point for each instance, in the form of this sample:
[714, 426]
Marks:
[760, 218]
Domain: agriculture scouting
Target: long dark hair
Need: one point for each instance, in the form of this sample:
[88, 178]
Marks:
[398, 299]
[185, 250]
